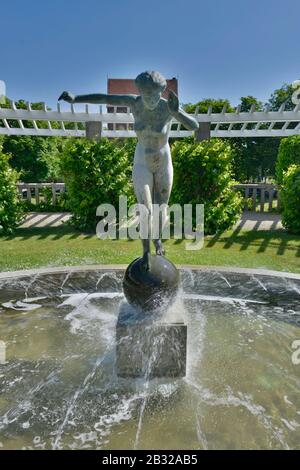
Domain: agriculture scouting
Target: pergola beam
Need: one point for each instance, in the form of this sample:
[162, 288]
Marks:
[216, 120]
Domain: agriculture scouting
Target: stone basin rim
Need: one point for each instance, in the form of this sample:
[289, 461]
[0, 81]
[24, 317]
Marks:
[121, 267]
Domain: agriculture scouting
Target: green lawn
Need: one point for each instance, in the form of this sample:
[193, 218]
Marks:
[63, 246]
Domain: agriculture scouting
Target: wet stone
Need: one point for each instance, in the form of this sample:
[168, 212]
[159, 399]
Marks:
[221, 283]
[109, 281]
[258, 287]
[76, 282]
[150, 351]
[45, 285]
[109, 303]
[13, 289]
[93, 281]
[146, 347]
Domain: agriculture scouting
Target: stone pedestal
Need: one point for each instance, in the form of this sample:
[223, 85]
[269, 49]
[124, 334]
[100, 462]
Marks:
[148, 348]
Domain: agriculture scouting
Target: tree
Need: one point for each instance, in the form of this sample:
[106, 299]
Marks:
[35, 158]
[216, 104]
[38, 106]
[203, 175]
[96, 172]
[254, 157]
[288, 154]
[280, 96]
[22, 104]
[290, 199]
[248, 101]
[10, 207]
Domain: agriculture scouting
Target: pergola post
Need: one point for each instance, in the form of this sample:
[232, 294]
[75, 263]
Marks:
[93, 130]
[203, 131]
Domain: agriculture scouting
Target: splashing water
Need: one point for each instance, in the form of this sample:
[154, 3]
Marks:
[59, 388]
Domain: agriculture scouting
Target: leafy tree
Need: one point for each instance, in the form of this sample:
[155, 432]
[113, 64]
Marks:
[10, 207]
[290, 199]
[248, 101]
[254, 158]
[280, 96]
[288, 154]
[203, 175]
[35, 157]
[204, 105]
[38, 106]
[95, 172]
[22, 104]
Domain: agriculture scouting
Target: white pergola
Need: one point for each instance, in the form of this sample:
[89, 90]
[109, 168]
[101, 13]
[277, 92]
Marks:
[234, 124]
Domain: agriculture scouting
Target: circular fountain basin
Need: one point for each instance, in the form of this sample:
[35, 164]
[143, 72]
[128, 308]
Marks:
[59, 388]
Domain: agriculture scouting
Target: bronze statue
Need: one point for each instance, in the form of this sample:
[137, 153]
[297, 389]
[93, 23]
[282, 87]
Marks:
[152, 168]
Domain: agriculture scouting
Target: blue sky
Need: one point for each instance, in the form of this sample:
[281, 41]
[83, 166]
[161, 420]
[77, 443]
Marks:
[219, 48]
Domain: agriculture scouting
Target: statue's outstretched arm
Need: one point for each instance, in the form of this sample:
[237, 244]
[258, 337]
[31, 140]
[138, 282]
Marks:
[99, 98]
[179, 114]
[186, 120]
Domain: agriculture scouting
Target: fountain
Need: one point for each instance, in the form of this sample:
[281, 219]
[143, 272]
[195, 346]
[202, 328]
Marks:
[59, 387]
[147, 345]
[145, 341]
[73, 344]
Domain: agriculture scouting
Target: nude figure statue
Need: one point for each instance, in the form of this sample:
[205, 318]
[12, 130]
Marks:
[152, 167]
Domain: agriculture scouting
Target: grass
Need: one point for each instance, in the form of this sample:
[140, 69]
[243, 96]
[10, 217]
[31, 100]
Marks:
[63, 246]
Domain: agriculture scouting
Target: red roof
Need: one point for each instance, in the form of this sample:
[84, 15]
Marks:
[127, 86]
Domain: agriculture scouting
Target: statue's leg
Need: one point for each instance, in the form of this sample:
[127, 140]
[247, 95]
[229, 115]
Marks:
[143, 188]
[163, 181]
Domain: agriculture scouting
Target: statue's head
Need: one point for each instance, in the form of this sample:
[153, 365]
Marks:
[150, 85]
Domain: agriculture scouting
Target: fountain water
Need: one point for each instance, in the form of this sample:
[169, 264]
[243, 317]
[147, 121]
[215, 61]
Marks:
[147, 344]
[59, 383]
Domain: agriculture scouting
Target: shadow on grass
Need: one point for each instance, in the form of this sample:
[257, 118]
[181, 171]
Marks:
[278, 240]
[262, 239]
[44, 232]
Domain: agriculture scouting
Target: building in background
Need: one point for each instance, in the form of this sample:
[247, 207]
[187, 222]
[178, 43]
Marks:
[116, 86]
